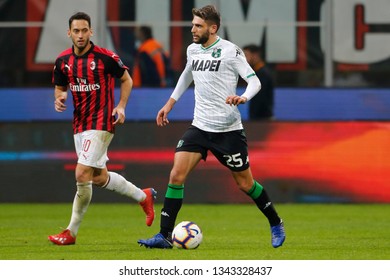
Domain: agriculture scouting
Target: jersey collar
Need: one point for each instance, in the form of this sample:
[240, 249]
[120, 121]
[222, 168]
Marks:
[90, 49]
[213, 44]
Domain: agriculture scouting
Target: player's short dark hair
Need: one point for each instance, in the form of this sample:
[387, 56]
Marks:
[146, 31]
[208, 13]
[80, 15]
[252, 48]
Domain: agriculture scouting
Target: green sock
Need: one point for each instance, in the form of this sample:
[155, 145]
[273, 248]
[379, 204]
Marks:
[256, 190]
[175, 191]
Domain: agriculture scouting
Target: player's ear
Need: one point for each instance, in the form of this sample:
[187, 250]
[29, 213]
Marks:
[213, 28]
[91, 30]
[68, 33]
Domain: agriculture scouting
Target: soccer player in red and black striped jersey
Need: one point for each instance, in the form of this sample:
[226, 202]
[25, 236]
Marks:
[89, 72]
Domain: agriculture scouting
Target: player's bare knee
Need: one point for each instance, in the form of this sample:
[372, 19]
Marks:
[83, 173]
[100, 177]
[83, 176]
[98, 181]
[176, 178]
[245, 188]
[244, 185]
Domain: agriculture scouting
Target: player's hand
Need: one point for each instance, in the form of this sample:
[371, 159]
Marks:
[235, 100]
[162, 117]
[59, 104]
[119, 112]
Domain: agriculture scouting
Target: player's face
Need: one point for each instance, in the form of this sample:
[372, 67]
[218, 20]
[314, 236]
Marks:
[80, 33]
[200, 31]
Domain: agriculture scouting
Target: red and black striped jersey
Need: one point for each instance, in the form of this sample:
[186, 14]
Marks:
[91, 80]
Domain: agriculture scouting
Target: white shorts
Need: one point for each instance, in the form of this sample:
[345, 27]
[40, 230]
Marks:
[91, 147]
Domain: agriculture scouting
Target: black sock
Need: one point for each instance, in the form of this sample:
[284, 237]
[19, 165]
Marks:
[264, 203]
[168, 215]
[172, 204]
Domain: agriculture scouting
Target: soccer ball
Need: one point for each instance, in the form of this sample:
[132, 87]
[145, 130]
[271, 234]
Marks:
[187, 235]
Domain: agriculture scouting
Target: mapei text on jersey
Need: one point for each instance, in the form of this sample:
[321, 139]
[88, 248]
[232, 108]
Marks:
[204, 65]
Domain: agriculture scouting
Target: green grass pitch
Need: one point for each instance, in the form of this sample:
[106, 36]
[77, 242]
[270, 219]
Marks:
[231, 232]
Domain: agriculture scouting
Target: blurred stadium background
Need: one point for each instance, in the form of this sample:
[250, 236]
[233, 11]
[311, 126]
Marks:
[330, 138]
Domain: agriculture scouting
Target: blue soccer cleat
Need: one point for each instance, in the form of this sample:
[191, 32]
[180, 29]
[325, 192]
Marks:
[278, 235]
[157, 241]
